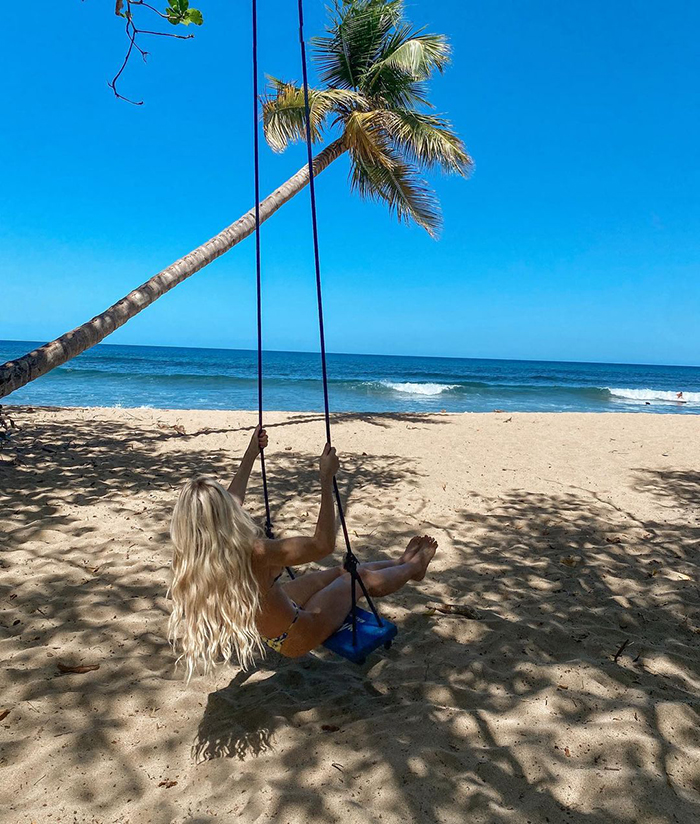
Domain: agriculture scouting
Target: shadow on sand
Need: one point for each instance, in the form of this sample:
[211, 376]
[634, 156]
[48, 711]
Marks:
[574, 699]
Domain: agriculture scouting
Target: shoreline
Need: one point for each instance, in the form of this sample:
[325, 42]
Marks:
[25, 407]
[573, 535]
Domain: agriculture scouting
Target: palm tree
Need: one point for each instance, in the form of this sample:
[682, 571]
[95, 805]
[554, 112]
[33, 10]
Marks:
[375, 66]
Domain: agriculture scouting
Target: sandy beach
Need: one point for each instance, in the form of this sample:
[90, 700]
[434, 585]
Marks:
[574, 698]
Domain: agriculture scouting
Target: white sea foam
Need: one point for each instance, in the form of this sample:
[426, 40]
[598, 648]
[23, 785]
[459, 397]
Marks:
[420, 388]
[655, 396]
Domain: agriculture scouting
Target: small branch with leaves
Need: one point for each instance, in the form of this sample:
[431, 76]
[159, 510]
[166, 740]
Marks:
[7, 425]
[177, 13]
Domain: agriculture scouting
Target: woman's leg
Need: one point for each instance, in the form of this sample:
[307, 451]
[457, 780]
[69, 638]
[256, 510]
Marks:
[303, 587]
[412, 548]
[300, 589]
[325, 611]
[379, 564]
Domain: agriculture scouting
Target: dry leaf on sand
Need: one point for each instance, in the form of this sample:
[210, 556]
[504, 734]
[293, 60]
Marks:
[80, 669]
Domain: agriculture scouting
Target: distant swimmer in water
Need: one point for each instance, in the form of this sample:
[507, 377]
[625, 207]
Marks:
[680, 398]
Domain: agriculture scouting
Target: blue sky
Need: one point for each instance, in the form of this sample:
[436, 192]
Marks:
[577, 238]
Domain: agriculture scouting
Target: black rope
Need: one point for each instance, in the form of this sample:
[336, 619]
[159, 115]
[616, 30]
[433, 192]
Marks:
[258, 267]
[258, 270]
[350, 558]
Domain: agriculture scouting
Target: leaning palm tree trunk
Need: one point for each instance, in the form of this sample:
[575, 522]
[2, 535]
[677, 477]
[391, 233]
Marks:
[17, 373]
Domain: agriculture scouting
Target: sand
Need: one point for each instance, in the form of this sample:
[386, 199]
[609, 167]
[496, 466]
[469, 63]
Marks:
[575, 697]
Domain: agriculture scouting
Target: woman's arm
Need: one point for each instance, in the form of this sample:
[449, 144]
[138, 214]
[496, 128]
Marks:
[239, 484]
[303, 550]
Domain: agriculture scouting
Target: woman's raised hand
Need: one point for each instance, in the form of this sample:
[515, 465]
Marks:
[258, 441]
[329, 463]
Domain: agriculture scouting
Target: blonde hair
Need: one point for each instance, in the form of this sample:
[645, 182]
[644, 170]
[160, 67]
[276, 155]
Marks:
[215, 595]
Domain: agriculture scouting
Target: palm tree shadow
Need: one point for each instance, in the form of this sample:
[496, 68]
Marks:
[245, 718]
[562, 580]
[229, 729]
[545, 616]
[674, 487]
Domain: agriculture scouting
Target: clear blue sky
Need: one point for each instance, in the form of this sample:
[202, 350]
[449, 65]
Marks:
[577, 238]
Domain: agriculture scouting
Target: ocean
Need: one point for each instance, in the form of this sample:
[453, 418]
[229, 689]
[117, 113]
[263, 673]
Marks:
[180, 378]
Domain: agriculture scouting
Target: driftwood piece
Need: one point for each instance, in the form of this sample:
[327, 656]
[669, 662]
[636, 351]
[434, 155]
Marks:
[454, 609]
[621, 650]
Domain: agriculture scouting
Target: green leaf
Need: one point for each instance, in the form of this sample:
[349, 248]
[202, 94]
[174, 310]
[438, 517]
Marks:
[179, 12]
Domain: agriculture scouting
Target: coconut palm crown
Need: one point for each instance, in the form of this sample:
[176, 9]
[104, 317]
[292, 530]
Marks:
[375, 67]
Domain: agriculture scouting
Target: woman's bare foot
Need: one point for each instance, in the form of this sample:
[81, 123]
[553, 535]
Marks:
[411, 550]
[425, 552]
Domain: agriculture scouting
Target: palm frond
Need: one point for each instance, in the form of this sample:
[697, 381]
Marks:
[357, 37]
[375, 67]
[408, 58]
[393, 87]
[427, 140]
[366, 138]
[284, 116]
[415, 53]
[399, 186]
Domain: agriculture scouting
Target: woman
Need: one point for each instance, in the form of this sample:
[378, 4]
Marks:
[227, 594]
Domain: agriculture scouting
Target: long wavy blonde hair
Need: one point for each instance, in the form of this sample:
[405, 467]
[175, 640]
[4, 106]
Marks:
[215, 595]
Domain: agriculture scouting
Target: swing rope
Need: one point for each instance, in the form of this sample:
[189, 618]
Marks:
[258, 268]
[350, 562]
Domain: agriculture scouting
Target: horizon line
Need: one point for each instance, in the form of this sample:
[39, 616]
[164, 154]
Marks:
[369, 355]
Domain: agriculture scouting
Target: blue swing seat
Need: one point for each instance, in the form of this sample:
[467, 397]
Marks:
[370, 636]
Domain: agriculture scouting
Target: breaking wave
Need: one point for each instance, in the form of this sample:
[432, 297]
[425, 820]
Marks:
[655, 396]
[420, 388]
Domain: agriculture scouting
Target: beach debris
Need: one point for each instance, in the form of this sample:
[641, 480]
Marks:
[178, 428]
[338, 767]
[4, 714]
[330, 728]
[621, 650]
[80, 669]
[508, 420]
[626, 620]
[462, 610]
[613, 539]
[571, 560]
[499, 411]
[167, 784]
[562, 687]
[6, 424]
